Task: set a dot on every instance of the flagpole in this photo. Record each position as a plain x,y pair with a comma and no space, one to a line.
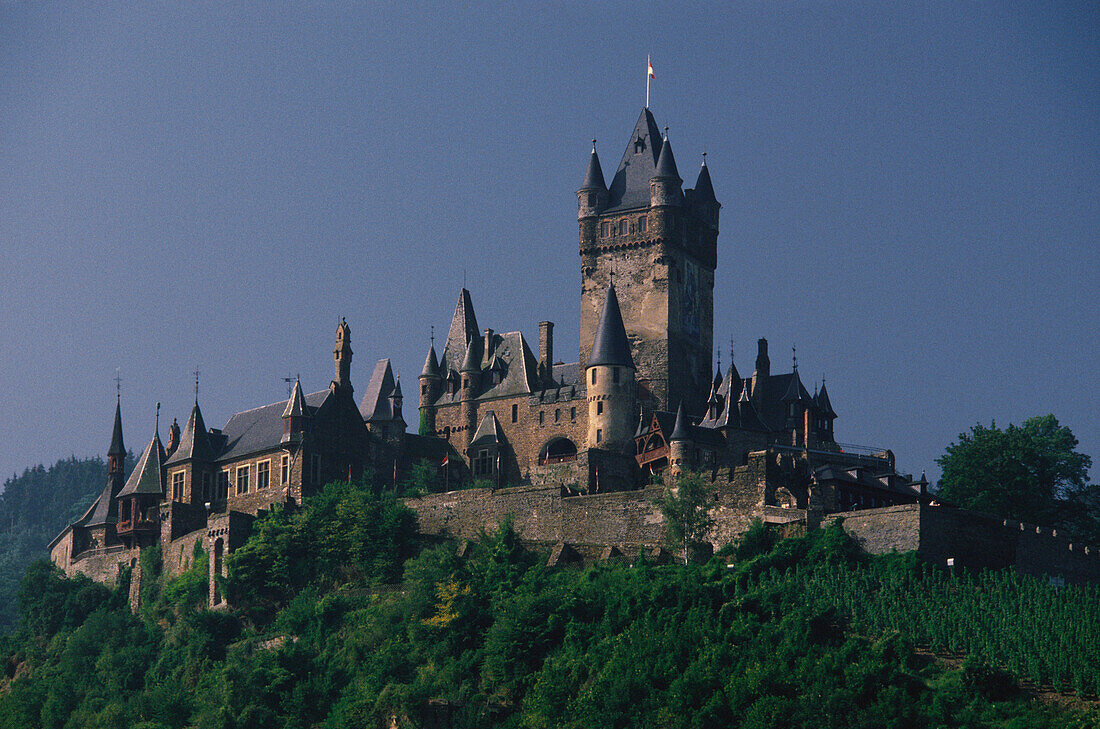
648,64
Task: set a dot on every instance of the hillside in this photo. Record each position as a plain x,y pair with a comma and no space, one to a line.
34,507
347,618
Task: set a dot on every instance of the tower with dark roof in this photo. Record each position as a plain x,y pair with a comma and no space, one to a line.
661,241
431,386
341,355
611,382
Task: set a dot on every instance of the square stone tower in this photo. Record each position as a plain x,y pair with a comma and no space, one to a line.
659,244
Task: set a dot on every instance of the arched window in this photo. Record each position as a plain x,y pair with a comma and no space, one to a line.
558,450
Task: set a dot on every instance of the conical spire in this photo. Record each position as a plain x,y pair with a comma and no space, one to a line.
795,391
704,189
472,361
431,364
296,403
463,330
593,176
610,346
118,448
396,394
666,163
823,403
195,441
630,186
146,477
680,430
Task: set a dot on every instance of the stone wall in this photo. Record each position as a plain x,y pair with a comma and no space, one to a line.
102,565
178,555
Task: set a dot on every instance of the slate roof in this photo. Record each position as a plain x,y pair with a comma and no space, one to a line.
704,188
463,330
376,404
795,391
431,364
630,186
566,374
892,482
680,430
118,448
195,440
666,163
104,510
610,345
593,176
296,404
823,403
147,476
261,429
488,432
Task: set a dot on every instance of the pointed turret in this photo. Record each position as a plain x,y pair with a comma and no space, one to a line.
431,364
630,186
680,431
593,176
396,399
472,361
610,346
666,163
194,443
463,330
664,186
704,188
823,403
147,477
116,454
795,391
296,403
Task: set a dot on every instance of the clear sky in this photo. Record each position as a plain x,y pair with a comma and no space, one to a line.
910,191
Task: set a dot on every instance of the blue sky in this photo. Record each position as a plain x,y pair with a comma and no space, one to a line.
911,196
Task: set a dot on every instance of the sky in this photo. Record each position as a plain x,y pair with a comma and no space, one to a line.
910,195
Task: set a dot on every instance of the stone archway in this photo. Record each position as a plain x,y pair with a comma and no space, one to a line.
557,450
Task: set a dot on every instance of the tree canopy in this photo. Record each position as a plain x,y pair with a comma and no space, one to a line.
1030,472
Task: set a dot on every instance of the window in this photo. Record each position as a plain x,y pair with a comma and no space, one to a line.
263,474
572,413
177,486
285,468
223,485
483,463
515,413
423,389
615,374
557,414
542,417
605,229
593,375
599,407
242,480
642,224
624,227
206,490
599,435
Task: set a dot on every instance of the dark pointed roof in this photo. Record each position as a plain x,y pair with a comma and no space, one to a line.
717,382
680,431
593,176
704,189
195,442
488,431
733,377
463,330
118,448
375,404
823,403
630,186
610,345
396,388
296,403
147,477
666,163
472,361
105,508
431,364
795,391
747,417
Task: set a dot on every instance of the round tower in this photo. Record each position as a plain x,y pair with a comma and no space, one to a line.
592,196
665,185
609,378
679,445
470,382
431,384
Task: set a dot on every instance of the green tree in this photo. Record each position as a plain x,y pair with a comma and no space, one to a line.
1032,472
686,508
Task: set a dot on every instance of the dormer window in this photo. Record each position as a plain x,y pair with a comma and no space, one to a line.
639,145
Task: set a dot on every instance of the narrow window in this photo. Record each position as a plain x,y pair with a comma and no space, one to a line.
624,227
263,474
177,486
206,495
557,415
423,389
223,485
605,229
572,413
515,413
642,224
542,417
593,376
242,480
615,374
599,407
285,469
599,435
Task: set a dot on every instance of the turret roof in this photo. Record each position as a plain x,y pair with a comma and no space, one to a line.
431,364
823,403
194,442
296,403
118,448
795,391
666,163
680,430
147,477
472,361
610,346
376,404
593,176
704,188
488,431
463,330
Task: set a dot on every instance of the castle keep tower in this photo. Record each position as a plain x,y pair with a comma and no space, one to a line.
661,241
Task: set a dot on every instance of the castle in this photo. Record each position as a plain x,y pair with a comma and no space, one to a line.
569,451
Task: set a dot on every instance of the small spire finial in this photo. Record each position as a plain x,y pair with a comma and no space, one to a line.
432,335
118,386
196,374
666,132
794,356
464,277
704,158
158,418
731,349
593,145
719,361
289,380
612,274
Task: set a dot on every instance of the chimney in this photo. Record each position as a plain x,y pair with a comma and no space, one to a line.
488,344
763,365
546,348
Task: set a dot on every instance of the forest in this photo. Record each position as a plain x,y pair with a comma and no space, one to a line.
345,617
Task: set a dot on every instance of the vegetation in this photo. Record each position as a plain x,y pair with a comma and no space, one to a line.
34,508
345,620
1030,472
686,507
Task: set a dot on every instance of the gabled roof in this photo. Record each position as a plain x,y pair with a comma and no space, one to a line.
296,403
463,330
431,364
610,345
515,362
376,404
147,477
261,429
593,176
195,442
488,431
630,186
118,448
